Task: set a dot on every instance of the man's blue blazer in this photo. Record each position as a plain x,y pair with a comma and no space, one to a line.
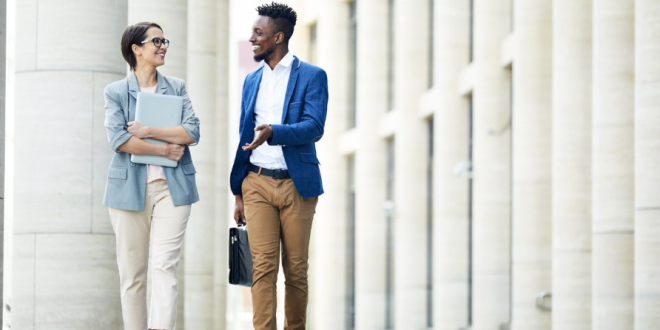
303,118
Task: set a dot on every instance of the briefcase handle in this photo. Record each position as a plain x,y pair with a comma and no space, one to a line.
241,223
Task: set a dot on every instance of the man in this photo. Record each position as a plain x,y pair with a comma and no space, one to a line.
275,177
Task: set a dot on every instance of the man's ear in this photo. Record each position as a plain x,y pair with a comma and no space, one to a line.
279,37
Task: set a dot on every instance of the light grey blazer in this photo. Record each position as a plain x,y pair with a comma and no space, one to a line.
127,181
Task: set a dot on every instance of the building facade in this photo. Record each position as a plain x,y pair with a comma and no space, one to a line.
488,164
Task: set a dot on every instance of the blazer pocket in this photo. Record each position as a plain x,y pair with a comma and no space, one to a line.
309,158
188,168
118,173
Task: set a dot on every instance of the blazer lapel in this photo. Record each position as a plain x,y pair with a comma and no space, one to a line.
162,86
291,86
133,87
254,91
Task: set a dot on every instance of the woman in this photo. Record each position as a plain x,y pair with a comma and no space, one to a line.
147,201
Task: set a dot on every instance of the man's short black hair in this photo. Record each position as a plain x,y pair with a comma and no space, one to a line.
282,16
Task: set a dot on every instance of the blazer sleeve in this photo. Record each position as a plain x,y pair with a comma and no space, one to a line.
115,122
189,122
315,109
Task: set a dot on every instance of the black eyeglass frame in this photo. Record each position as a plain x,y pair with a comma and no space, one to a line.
158,42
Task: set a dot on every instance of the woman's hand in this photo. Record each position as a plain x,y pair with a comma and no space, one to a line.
138,130
173,151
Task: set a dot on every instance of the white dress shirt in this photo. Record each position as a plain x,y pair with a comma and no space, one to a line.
268,110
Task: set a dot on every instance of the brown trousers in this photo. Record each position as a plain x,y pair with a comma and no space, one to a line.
276,212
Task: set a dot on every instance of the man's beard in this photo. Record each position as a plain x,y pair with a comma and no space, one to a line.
264,55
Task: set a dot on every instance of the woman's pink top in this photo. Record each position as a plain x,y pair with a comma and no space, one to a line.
154,172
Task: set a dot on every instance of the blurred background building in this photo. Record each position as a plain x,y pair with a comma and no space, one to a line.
488,164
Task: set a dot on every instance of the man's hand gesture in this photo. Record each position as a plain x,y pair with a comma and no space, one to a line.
265,132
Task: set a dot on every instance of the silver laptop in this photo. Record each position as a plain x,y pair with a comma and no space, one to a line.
157,110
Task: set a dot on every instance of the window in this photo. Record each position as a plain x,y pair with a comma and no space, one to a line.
352,60
389,239
429,231
312,44
470,215
511,93
350,258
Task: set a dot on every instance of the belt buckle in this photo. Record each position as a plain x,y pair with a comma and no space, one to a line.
277,174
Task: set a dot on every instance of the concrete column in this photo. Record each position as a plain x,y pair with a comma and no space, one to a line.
613,164
571,165
491,167
222,149
65,272
410,164
200,234
370,165
491,134
3,74
450,197
531,142
330,223
647,162
172,16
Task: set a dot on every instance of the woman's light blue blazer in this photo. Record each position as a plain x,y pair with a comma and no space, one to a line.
127,181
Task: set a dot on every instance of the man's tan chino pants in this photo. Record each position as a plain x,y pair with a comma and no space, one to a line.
276,212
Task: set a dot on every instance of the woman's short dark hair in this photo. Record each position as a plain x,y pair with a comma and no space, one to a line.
134,35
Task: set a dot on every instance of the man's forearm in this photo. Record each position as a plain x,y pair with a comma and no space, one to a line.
304,132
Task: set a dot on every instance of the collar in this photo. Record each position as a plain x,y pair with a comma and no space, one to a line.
285,61
133,85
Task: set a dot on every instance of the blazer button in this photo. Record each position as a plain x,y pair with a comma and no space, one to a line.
133,164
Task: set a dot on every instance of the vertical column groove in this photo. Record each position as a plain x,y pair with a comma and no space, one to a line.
532,170
613,165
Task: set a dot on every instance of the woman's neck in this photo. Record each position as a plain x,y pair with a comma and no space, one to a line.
146,76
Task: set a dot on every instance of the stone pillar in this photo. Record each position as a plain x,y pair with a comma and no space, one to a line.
491,138
531,143
370,165
222,150
451,133
613,164
330,225
172,16
571,165
410,164
65,271
647,162
3,74
200,235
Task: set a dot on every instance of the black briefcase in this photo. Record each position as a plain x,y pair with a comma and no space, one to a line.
240,258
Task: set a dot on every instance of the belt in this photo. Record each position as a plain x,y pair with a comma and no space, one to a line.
275,174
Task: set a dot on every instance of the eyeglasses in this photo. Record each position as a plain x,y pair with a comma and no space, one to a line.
158,42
